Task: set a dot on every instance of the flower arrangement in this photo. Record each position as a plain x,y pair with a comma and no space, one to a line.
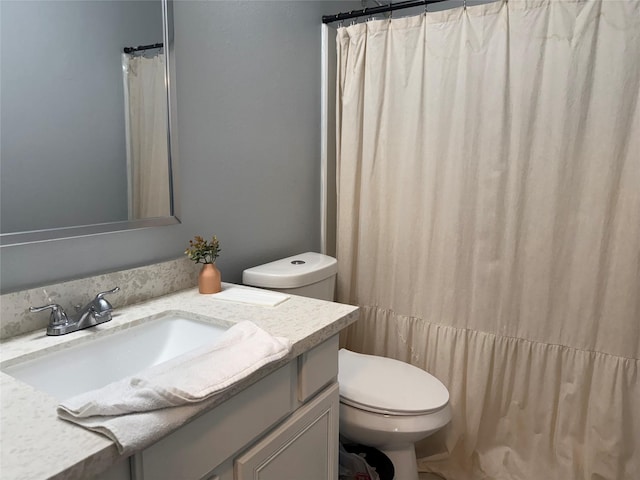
202,251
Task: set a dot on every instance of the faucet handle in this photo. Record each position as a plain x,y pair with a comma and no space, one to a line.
102,294
57,317
101,305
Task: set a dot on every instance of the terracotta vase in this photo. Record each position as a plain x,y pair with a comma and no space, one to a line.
209,279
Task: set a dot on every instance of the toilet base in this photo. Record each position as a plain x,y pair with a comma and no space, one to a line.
404,461
395,436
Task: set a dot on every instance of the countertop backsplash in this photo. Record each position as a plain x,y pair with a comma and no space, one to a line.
136,285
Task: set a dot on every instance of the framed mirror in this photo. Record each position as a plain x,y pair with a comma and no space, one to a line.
87,115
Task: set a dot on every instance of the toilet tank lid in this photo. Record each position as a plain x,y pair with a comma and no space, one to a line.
389,385
292,272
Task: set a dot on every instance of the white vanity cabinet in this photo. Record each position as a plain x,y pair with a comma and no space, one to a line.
283,427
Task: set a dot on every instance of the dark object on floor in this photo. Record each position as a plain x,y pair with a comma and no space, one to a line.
375,458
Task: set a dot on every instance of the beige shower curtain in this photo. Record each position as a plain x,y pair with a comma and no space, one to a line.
489,226
147,144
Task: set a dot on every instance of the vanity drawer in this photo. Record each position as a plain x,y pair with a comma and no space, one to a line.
194,450
317,368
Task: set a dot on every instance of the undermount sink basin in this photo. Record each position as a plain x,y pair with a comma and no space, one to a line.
96,363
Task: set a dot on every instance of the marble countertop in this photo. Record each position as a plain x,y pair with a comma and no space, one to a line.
35,444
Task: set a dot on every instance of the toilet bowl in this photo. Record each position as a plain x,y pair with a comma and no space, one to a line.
390,405
384,403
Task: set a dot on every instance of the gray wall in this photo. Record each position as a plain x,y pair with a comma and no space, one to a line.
248,92
63,137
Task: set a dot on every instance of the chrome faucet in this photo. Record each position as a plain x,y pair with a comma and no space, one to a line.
95,312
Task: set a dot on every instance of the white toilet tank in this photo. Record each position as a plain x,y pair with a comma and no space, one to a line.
308,274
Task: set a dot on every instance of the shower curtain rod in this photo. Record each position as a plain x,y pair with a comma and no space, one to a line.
142,47
375,10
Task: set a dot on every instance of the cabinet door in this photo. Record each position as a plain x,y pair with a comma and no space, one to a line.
304,447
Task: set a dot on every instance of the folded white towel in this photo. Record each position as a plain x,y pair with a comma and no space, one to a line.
253,296
138,410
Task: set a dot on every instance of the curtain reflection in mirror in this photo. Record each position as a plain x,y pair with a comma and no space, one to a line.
146,134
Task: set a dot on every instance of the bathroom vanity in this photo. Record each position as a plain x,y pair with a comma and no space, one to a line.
279,423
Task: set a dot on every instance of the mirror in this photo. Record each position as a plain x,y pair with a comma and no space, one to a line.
86,128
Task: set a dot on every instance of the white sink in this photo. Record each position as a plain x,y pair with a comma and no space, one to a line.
96,363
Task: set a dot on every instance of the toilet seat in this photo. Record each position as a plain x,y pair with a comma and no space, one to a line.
387,411
387,386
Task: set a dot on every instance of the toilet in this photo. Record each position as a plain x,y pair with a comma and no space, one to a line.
384,403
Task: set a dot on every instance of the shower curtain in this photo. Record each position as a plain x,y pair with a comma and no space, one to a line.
147,145
489,227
